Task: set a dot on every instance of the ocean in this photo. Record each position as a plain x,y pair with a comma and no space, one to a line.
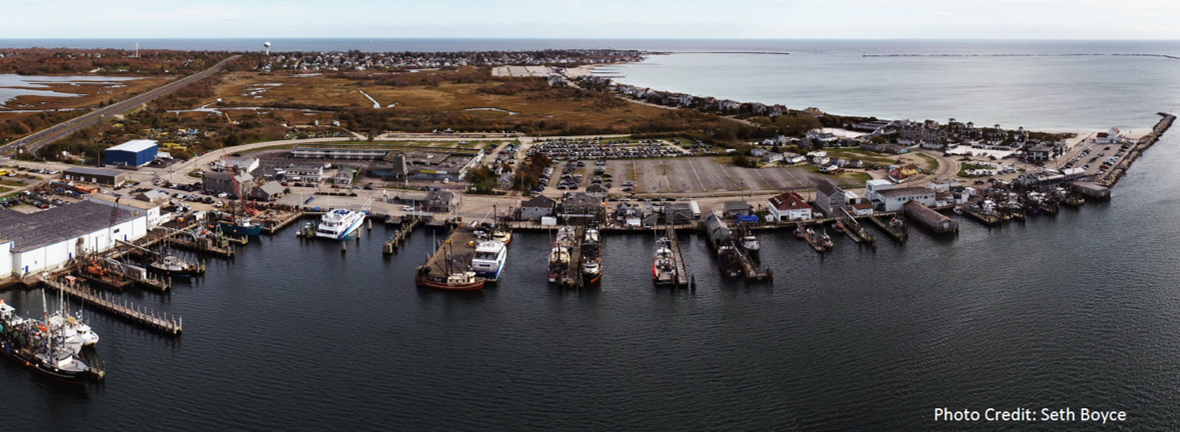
1079,310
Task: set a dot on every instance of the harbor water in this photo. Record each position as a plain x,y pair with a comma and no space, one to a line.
1077,310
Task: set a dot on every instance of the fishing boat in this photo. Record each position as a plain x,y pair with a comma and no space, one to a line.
825,240
489,259
591,267
41,348
838,227
97,273
455,281
339,223
559,264
240,226
731,260
663,264
174,267
751,244
799,232
502,235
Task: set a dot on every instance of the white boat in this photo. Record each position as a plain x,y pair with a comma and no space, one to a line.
559,264
339,223
489,259
751,244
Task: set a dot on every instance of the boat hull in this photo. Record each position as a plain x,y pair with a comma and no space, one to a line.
37,365
491,276
427,283
238,230
345,233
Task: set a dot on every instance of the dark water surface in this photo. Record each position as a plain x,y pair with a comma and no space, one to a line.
1077,310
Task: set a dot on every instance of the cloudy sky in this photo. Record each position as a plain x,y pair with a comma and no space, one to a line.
823,19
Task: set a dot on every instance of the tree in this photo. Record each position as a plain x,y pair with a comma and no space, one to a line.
796,125
878,139
232,140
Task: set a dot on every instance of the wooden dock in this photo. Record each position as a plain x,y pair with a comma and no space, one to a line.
140,315
811,238
989,219
681,278
898,234
400,236
461,243
282,223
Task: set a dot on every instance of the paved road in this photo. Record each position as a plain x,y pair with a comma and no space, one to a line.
35,141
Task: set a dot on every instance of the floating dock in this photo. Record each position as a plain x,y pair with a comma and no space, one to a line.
128,311
936,221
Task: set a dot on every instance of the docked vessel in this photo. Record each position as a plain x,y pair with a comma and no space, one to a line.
825,240
454,281
339,223
591,266
449,279
502,235
41,348
663,264
489,259
239,226
174,267
559,264
731,261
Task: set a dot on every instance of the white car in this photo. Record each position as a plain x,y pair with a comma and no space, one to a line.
222,195
408,208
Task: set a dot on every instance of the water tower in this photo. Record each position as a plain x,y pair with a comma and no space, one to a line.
267,46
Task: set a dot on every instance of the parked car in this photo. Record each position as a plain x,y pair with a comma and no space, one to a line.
408,208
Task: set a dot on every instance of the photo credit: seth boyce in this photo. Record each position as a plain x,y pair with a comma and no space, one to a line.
1027,415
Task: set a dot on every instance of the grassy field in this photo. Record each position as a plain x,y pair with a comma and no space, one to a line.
251,89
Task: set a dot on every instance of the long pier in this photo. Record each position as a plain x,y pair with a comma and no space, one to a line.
282,223
681,278
128,311
1136,150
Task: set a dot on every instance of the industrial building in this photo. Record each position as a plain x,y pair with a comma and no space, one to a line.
95,175
135,153
48,239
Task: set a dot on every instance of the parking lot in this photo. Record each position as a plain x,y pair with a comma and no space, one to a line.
692,175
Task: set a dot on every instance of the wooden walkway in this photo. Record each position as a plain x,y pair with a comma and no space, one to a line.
108,303
900,235
271,229
682,276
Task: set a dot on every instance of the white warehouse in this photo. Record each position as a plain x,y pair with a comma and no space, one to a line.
47,240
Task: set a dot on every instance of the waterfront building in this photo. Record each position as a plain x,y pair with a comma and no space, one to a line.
788,207
892,199
537,207
308,173
48,239
829,197
441,201
222,182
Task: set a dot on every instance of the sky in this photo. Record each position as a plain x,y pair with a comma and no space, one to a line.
664,19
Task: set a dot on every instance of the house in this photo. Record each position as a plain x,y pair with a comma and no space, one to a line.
223,182
792,158
1045,151
772,157
579,206
506,180
757,152
244,163
855,163
736,208
787,207
440,201
307,173
677,213
537,207
153,196
840,162
344,176
821,160
268,191
1114,135
829,197
861,208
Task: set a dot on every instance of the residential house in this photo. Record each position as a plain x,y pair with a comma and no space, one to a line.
440,201
344,176
736,208
772,157
537,207
829,197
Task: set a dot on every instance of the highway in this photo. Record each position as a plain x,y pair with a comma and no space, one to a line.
35,141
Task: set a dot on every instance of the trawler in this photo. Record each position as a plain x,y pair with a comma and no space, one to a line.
591,256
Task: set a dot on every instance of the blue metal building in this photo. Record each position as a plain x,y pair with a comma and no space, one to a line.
132,153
